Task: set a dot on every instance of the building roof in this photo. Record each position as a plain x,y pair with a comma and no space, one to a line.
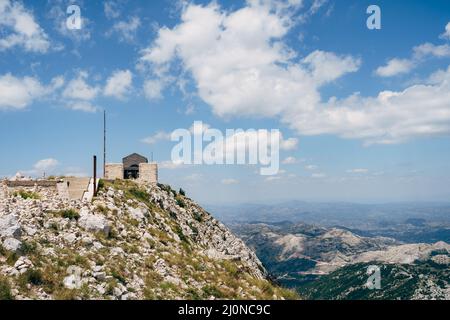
133,159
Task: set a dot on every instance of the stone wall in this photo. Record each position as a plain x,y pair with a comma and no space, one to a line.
32,183
148,172
113,171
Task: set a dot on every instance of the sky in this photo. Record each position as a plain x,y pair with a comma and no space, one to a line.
364,114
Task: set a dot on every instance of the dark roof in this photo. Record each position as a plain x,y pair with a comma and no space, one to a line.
133,159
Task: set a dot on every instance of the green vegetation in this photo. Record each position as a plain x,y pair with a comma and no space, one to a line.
397,282
180,202
69,214
26,194
5,289
182,192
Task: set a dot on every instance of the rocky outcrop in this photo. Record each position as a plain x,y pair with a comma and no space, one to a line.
131,242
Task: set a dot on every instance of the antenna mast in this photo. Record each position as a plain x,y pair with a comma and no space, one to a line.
104,143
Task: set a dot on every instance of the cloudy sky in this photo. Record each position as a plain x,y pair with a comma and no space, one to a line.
364,114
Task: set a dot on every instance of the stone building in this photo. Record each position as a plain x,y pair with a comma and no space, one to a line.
134,167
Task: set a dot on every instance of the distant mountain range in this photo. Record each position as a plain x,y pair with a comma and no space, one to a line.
406,222
331,263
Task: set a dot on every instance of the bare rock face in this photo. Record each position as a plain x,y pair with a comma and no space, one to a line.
11,244
133,241
9,226
94,223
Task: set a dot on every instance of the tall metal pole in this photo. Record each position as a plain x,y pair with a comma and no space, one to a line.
95,176
104,143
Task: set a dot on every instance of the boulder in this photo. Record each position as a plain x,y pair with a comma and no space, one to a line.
94,223
11,244
9,226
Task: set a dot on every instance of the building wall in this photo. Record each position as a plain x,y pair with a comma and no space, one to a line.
148,172
113,171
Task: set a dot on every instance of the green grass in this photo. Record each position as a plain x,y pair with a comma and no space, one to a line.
27,194
69,214
5,289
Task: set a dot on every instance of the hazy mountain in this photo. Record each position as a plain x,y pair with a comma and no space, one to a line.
328,263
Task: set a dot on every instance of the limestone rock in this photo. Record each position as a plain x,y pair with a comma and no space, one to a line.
9,226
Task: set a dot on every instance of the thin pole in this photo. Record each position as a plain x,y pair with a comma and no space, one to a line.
95,176
104,143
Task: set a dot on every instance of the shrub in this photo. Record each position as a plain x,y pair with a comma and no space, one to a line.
26,194
32,276
139,194
198,217
5,289
101,184
180,234
28,248
69,214
181,203
182,192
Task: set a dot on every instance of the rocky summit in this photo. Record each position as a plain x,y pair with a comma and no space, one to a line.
132,241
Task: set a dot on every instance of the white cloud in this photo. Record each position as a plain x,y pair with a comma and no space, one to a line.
111,9
230,181
311,167
46,165
57,12
358,171
171,165
290,160
327,66
79,89
391,117
125,30
153,89
288,144
395,67
239,63
446,34
429,49
159,136
19,28
18,93
242,67
84,106
119,84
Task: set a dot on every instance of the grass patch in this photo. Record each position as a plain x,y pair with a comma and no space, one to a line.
70,214
26,194
5,289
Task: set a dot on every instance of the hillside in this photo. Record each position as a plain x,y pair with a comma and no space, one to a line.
131,242
322,263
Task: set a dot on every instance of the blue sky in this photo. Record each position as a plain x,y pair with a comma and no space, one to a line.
368,110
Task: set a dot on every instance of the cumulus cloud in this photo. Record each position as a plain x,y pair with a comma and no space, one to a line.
79,89
78,95
18,93
153,89
119,84
419,53
394,67
242,67
125,30
19,29
446,34
239,63
46,164
57,12
157,137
